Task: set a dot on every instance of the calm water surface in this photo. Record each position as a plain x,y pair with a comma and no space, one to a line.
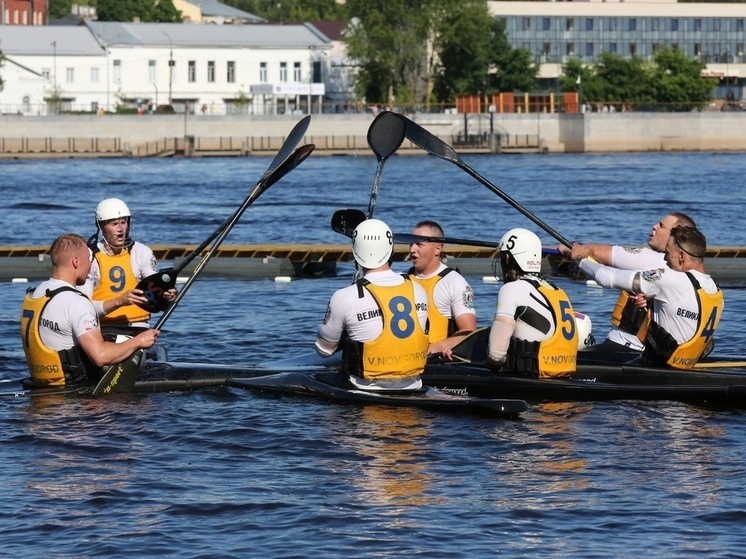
227,473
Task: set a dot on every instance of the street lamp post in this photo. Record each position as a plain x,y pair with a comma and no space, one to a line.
170,67
54,58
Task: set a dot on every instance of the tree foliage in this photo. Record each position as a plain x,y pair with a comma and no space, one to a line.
671,81
161,11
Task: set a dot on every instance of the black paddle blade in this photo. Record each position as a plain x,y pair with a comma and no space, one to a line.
386,134
346,221
154,286
120,377
429,142
290,163
293,139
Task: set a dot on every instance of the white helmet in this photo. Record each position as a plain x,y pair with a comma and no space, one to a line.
372,243
525,248
585,330
111,208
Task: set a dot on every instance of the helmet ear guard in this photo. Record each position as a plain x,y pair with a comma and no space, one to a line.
372,243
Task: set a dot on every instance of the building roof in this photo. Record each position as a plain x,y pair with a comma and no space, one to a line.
212,8
332,29
48,40
183,35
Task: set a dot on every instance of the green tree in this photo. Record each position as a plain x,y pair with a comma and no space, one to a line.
388,39
147,10
462,66
511,69
677,83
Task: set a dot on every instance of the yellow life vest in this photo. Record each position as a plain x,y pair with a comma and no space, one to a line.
46,366
661,347
116,277
401,349
441,326
556,356
630,318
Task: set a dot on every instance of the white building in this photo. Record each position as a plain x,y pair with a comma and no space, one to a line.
215,69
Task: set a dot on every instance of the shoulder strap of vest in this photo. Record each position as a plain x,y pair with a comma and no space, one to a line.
445,272
694,281
532,281
361,283
52,292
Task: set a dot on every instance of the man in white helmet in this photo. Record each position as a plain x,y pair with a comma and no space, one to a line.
534,331
450,297
629,317
380,320
119,264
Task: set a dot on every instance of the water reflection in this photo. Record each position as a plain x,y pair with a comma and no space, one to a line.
392,444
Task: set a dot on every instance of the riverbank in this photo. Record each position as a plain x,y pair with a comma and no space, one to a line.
169,135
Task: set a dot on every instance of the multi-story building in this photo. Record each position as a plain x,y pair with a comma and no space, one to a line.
23,12
557,31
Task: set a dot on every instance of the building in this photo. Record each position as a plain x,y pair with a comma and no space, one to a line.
23,12
211,11
557,31
212,69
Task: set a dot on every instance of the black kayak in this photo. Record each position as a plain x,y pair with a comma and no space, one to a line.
333,386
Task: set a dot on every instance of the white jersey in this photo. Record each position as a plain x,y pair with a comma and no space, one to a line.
359,316
66,317
522,302
633,258
452,295
673,294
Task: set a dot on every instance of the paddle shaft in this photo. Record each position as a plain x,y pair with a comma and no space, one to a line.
268,180
434,145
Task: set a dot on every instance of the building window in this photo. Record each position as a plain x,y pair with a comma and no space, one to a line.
569,24
697,49
655,48
192,71
698,24
716,24
612,24
739,25
70,75
570,49
283,71
654,24
151,71
632,49
297,78
526,23
117,71
262,72
632,24
46,73
316,71
589,49
739,49
674,24
612,48
675,47
546,24
231,72
589,24
211,71
546,49
94,75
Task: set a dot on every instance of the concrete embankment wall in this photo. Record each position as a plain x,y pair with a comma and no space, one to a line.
592,132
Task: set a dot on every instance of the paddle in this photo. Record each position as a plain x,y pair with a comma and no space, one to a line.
385,135
346,221
122,377
434,145
155,285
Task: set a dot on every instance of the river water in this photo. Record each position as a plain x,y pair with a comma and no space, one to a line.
227,473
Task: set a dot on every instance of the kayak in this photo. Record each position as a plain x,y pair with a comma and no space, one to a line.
333,386
599,377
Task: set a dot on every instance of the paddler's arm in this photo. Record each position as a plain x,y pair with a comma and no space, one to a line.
325,348
599,252
500,335
606,276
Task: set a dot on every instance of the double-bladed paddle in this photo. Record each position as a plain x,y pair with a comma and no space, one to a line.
122,376
385,135
155,285
435,146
